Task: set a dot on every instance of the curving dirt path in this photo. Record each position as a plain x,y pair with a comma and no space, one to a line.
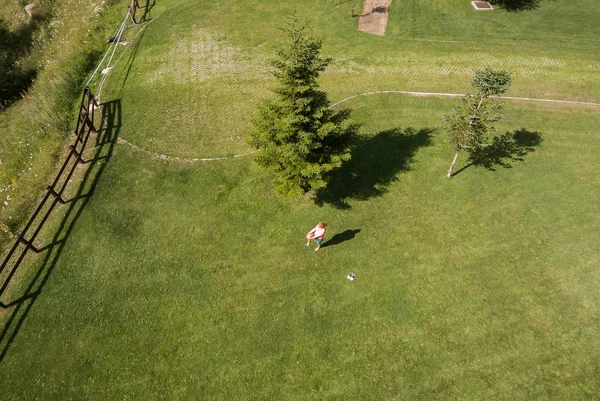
180,159
440,94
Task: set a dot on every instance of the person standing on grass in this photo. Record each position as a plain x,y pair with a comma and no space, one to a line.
317,233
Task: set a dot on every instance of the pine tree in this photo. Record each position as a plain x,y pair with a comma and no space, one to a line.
299,137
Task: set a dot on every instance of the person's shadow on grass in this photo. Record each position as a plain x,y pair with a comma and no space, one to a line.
375,164
341,237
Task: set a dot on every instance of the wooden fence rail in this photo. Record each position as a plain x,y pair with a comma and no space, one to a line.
54,193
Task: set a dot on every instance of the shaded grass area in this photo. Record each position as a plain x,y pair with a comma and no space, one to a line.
15,75
184,281
376,162
505,149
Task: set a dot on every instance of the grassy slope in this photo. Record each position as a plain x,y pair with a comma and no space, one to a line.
35,129
191,281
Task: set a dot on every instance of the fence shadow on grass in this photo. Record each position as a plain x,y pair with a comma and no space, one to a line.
375,164
505,149
18,309
145,17
129,63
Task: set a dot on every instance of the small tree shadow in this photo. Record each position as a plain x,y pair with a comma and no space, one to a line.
375,164
517,5
341,237
505,149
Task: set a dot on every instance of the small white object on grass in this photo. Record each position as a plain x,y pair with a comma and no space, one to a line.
351,276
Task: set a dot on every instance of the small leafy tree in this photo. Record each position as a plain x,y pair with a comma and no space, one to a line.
299,137
469,123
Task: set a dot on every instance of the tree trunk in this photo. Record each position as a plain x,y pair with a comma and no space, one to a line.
480,103
452,165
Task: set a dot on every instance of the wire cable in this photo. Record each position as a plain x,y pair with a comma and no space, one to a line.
114,43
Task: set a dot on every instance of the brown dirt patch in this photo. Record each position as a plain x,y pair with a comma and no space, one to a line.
374,17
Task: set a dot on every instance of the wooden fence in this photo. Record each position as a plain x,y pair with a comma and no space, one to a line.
135,5
54,194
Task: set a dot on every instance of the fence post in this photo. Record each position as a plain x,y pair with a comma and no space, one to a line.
133,9
85,91
132,14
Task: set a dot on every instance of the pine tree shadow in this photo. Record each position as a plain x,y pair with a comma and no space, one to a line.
375,164
505,149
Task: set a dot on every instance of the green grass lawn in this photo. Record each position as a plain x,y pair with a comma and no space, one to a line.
192,281
192,88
